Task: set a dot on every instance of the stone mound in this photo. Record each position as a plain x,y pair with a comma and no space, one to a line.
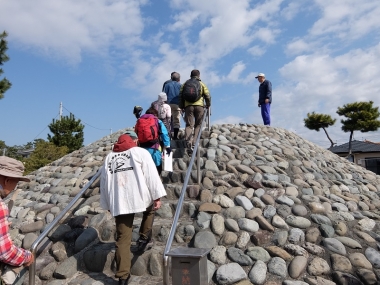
274,207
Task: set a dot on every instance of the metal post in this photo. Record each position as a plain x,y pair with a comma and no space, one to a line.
166,272
198,165
60,111
208,118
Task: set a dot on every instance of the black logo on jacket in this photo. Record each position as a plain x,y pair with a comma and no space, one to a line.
119,163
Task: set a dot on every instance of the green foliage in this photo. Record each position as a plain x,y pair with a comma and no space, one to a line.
16,150
2,146
10,151
4,83
315,121
361,116
43,154
67,132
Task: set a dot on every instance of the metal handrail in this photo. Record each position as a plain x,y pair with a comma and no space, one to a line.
182,197
33,248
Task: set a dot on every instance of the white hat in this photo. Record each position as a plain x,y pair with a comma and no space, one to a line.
162,97
260,75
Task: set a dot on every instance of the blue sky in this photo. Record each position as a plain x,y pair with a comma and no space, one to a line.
100,58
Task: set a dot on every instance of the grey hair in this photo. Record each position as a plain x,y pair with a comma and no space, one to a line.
176,76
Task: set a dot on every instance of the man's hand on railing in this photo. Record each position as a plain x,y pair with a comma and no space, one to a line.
156,204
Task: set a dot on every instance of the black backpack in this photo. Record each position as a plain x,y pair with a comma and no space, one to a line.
191,91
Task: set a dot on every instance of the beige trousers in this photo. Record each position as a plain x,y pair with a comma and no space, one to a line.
124,225
176,115
193,119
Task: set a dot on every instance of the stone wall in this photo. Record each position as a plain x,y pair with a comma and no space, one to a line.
274,208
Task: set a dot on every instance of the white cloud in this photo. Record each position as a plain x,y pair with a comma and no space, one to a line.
340,23
228,120
297,46
227,31
221,30
290,11
183,20
235,75
267,35
320,78
235,72
347,19
204,32
66,29
256,50
322,83
220,33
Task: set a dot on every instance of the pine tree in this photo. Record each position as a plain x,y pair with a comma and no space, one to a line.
4,83
361,116
43,154
3,147
67,132
315,121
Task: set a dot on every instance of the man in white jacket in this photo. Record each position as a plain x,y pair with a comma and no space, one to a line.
130,184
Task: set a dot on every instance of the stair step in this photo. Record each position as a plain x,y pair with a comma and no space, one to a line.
178,144
158,221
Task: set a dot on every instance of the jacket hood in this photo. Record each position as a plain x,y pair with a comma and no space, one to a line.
124,142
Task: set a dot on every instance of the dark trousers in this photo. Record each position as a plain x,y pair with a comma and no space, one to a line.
193,120
124,225
265,113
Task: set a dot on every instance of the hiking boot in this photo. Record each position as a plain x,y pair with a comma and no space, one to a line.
176,130
189,148
189,152
189,145
124,281
142,245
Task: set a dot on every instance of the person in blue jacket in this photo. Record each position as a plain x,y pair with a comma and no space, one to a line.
265,97
157,149
171,88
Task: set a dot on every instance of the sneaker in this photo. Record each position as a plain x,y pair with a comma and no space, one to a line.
142,245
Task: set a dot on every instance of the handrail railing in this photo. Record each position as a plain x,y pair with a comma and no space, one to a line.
33,248
49,227
182,197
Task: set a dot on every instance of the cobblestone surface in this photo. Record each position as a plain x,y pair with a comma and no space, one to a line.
101,278
262,188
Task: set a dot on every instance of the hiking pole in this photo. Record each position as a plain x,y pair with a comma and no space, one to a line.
208,118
